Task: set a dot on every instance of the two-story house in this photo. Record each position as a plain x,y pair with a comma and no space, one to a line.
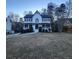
39,22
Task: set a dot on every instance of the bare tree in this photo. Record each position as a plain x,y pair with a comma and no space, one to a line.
69,8
11,15
44,11
51,10
25,12
30,12
16,18
60,13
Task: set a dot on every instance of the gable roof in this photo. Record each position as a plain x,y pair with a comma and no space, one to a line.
42,15
28,16
45,16
31,15
37,12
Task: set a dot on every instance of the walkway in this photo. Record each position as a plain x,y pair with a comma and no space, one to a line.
19,34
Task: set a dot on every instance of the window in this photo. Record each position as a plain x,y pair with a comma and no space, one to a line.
26,25
46,19
37,20
31,19
28,19
25,19
43,19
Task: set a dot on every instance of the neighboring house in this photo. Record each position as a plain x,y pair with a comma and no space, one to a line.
38,22
8,25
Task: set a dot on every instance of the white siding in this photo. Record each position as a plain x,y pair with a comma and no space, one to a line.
46,20
39,19
8,25
28,20
37,16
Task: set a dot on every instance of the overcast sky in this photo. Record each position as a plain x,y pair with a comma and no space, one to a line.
19,6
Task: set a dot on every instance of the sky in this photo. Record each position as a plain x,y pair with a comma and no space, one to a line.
19,6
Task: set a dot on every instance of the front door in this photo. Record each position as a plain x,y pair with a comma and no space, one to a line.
36,25
36,28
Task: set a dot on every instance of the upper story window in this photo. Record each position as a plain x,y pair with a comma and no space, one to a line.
25,19
37,20
31,19
46,19
28,19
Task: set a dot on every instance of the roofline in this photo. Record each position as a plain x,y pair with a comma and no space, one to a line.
35,13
